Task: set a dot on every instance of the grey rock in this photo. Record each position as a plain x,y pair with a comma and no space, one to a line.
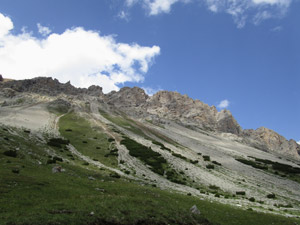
195,210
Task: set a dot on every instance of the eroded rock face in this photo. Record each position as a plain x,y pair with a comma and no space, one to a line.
271,140
49,86
127,97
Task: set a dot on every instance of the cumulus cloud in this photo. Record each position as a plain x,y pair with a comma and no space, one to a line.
223,104
43,30
82,56
298,142
241,10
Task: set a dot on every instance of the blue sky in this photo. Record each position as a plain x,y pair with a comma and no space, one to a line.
245,54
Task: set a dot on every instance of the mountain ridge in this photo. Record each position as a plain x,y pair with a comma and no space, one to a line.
161,107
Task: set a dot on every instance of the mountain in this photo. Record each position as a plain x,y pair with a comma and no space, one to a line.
98,156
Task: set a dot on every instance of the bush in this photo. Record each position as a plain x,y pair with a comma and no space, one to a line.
15,170
57,142
253,164
214,187
271,195
216,163
252,199
115,175
206,157
68,130
51,161
210,166
56,158
194,161
161,145
179,156
10,153
85,163
110,139
240,193
145,154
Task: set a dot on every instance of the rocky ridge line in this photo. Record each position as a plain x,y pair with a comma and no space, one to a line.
162,106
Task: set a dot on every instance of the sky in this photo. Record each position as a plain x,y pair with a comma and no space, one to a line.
242,55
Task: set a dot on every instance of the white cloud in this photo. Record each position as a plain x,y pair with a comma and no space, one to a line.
43,30
242,11
277,29
298,142
123,15
84,57
151,91
223,104
5,25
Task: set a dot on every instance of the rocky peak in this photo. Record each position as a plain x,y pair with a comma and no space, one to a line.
227,123
127,97
273,141
1,78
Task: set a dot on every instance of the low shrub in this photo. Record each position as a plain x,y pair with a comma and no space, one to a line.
214,187
240,193
110,139
179,156
15,170
216,163
210,166
272,195
252,199
194,161
56,158
57,142
115,175
206,157
145,154
10,153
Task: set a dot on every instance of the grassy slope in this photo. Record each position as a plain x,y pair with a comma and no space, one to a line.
82,132
37,196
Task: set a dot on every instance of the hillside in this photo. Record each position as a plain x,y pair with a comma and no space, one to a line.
78,156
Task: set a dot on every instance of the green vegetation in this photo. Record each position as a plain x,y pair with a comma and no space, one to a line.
216,163
82,137
206,157
179,156
210,166
156,162
162,146
253,164
32,194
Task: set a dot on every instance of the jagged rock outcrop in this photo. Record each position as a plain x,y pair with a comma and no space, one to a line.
49,86
271,140
173,106
127,98
1,78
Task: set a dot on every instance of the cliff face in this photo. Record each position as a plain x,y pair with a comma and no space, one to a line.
164,105
271,140
49,86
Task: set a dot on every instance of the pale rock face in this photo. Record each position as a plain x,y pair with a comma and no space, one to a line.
273,141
